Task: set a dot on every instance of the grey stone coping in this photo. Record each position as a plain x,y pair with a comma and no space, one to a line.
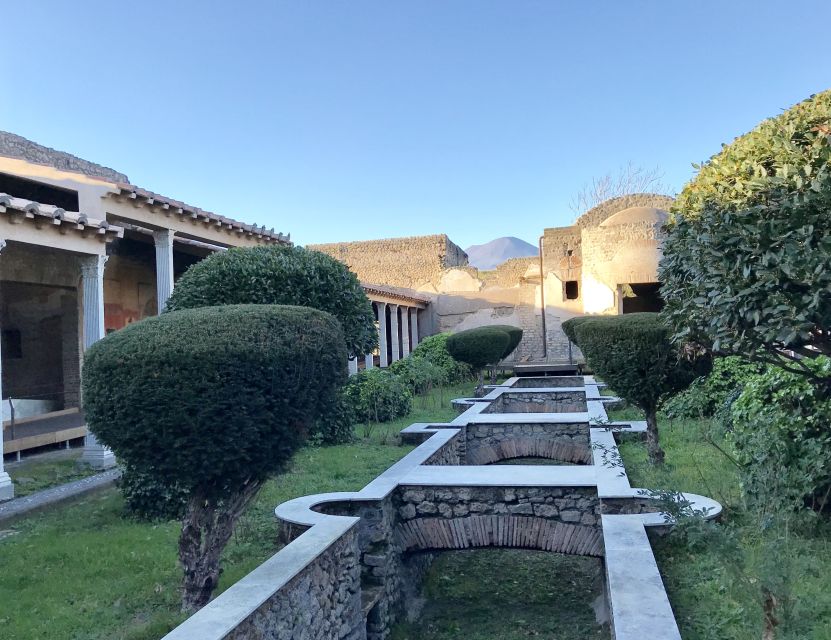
639,604
54,495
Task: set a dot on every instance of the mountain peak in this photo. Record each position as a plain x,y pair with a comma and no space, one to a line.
492,254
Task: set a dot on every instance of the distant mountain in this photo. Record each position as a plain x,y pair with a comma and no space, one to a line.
491,254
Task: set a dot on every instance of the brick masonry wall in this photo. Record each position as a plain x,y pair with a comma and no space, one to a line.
401,262
545,402
489,443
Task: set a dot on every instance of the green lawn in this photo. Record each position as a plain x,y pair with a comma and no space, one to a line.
715,596
47,470
83,571
508,594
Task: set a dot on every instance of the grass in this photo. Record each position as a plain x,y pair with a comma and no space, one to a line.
85,572
47,470
716,588
508,594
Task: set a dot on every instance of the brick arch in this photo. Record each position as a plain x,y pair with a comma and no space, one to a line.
500,530
529,447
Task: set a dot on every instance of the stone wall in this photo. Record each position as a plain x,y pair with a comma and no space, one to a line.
417,262
14,146
313,604
594,216
541,402
489,443
553,519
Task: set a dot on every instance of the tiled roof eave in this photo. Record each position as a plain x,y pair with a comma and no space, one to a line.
19,209
143,197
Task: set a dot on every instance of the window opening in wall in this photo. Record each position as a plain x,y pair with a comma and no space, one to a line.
572,290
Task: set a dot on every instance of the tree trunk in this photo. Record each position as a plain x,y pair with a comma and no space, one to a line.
771,621
206,528
479,392
653,446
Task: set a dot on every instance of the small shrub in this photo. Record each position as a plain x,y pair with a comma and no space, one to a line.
336,425
377,395
419,374
634,356
706,395
782,438
434,350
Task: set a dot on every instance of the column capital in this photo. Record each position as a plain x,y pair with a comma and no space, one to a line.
92,267
163,238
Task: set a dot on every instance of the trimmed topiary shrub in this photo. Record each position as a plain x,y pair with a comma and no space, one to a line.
745,264
377,395
212,401
570,326
478,348
147,498
781,437
281,275
514,337
434,350
635,357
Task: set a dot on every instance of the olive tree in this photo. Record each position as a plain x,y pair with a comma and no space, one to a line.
211,402
635,356
746,261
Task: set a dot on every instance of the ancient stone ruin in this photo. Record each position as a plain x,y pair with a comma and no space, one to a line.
357,559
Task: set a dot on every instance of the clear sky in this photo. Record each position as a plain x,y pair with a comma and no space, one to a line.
345,120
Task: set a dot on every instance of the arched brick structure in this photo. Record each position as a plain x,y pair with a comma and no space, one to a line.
500,530
530,447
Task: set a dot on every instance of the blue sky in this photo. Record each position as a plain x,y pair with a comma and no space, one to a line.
346,120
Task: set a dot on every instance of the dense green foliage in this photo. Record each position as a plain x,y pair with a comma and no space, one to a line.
434,350
284,276
480,346
215,397
781,436
377,395
633,354
418,374
514,337
570,326
708,394
148,497
745,266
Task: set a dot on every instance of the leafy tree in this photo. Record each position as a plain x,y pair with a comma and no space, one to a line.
212,402
634,355
281,275
745,266
434,350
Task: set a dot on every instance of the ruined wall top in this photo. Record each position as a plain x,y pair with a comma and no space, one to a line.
401,262
594,216
15,146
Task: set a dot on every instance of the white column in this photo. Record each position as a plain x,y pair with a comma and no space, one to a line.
382,333
405,331
369,361
396,347
6,486
353,366
92,281
164,266
414,325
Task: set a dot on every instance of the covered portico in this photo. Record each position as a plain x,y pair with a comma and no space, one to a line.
397,318
104,254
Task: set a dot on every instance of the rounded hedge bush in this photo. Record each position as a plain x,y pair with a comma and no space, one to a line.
208,399
479,347
419,374
514,337
745,263
284,276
